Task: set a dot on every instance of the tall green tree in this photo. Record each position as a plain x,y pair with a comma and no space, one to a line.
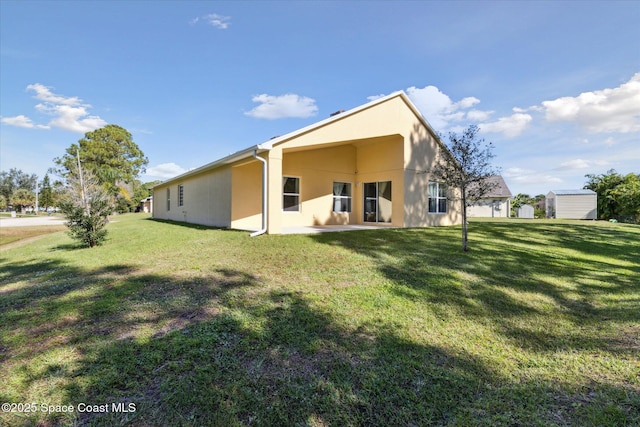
627,198
466,167
618,195
46,199
108,153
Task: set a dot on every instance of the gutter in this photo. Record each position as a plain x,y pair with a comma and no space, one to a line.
264,195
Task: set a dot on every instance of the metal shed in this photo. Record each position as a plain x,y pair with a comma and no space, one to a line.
572,204
525,211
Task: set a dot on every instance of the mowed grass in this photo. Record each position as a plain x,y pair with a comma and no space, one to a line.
539,324
13,234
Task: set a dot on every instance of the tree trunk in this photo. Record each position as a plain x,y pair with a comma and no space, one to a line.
465,245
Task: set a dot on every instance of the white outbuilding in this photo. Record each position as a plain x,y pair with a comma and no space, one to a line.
572,204
526,211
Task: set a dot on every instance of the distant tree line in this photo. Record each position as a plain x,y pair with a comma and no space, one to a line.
17,190
618,195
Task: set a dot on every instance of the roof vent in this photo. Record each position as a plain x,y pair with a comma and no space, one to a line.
336,113
274,137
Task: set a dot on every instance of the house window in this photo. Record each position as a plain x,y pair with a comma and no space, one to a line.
437,197
180,195
377,201
341,197
290,194
168,199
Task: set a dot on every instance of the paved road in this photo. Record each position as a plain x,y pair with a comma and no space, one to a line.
29,222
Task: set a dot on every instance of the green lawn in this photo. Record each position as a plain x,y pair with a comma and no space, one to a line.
539,324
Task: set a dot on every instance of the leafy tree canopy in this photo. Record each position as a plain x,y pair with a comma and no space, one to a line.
109,153
22,198
47,196
14,180
618,195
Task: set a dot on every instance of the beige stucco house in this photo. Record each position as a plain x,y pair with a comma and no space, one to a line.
369,165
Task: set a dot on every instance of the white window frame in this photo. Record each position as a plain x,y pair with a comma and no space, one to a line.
168,199
299,204
341,198
438,198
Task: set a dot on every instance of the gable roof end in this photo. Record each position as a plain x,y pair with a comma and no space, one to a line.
268,145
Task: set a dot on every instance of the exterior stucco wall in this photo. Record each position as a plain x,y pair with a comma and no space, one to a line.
490,208
246,196
388,118
421,150
207,199
318,169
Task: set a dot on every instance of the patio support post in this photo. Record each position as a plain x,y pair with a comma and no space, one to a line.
264,196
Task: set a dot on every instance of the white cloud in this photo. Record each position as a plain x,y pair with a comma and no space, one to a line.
283,106
600,111
510,126
219,21
434,105
479,115
165,170
574,164
374,97
581,164
44,93
446,115
22,121
467,102
529,176
72,118
69,113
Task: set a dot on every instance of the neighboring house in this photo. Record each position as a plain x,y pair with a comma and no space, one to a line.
572,204
146,205
526,211
368,165
496,203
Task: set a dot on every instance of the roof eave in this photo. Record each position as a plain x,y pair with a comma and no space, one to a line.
231,158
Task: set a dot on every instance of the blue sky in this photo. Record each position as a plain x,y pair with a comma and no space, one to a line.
554,85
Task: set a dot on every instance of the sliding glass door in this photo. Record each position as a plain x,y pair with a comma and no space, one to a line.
377,201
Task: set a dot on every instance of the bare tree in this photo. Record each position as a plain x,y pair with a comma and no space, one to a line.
466,167
86,205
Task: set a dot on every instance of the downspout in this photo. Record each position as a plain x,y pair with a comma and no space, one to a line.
264,196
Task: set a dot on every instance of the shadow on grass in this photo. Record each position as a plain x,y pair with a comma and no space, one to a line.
223,348
506,267
218,349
